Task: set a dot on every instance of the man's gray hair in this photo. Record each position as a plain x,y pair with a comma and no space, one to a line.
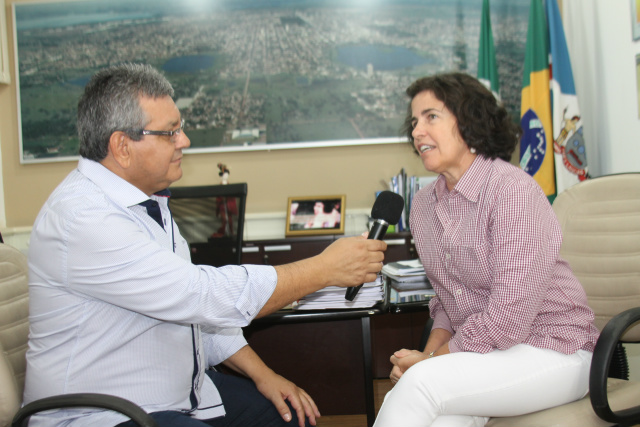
110,103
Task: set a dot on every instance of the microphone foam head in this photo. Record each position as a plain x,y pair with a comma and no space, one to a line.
388,207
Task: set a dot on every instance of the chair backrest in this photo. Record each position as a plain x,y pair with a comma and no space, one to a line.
600,221
211,219
14,329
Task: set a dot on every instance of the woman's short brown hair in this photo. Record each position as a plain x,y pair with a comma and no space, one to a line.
483,123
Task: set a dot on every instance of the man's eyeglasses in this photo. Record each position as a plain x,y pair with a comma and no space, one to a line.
169,133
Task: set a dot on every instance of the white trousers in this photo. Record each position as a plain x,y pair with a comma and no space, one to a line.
466,389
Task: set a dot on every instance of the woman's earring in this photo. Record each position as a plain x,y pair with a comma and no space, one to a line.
473,150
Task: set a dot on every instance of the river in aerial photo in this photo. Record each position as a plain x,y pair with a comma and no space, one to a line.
381,58
360,57
188,64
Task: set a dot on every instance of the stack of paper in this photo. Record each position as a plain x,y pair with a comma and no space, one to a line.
408,281
410,295
333,297
404,271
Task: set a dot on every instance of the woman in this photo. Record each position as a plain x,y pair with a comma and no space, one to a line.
512,330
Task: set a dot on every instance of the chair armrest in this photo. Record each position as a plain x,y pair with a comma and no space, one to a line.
602,355
89,400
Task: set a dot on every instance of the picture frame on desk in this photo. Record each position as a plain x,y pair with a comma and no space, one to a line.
315,215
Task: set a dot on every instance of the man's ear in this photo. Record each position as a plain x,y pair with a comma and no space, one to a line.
120,148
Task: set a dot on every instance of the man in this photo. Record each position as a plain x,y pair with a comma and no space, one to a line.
116,306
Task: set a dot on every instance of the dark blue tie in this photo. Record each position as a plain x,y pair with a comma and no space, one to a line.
153,208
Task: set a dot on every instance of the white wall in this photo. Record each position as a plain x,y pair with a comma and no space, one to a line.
603,54
3,217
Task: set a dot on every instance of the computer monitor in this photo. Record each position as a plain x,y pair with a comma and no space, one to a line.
211,219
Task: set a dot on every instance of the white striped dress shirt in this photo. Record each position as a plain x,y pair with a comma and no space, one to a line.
112,306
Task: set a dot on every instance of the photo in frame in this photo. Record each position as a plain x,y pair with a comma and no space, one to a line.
254,75
315,215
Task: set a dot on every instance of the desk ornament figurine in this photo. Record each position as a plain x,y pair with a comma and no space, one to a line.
226,207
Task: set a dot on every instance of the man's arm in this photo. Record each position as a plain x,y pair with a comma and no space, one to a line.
273,386
349,261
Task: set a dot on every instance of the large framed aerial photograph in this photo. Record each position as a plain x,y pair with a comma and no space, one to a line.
256,74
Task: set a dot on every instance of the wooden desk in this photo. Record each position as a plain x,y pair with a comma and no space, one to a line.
330,353
333,354
283,251
317,351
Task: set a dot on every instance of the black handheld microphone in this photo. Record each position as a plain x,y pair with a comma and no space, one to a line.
386,210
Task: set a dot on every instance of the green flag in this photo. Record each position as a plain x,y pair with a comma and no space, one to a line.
487,67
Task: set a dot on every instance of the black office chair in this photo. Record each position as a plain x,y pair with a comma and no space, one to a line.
14,331
211,219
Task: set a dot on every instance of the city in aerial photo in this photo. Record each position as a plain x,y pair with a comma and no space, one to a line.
257,74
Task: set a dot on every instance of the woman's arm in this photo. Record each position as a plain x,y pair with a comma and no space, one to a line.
437,345
438,342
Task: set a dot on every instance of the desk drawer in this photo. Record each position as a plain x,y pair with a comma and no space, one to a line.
323,358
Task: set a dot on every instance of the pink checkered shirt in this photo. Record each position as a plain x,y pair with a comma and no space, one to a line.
490,249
